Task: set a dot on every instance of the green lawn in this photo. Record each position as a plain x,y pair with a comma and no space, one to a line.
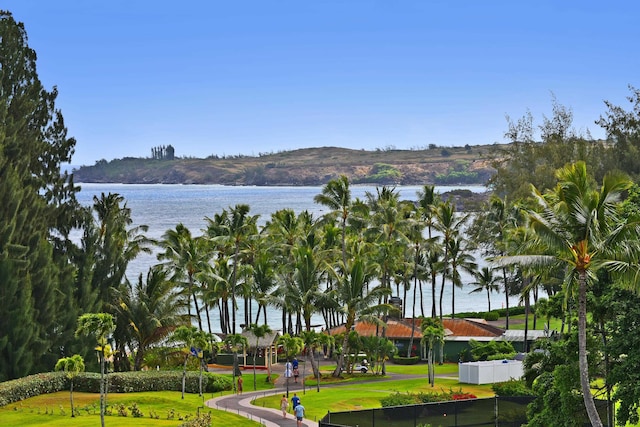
54,410
554,323
367,394
417,369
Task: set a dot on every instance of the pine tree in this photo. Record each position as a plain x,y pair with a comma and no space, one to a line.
37,211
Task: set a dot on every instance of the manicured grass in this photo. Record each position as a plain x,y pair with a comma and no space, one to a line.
392,368
54,410
365,395
554,323
421,369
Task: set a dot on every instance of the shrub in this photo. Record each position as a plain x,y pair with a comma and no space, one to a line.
32,385
119,382
430,397
201,420
502,356
492,350
463,396
398,360
491,316
126,382
399,399
511,388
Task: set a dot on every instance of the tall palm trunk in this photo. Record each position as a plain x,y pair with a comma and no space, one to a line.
433,294
506,293
102,388
589,403
345,345
195,301
413,315
316,373
184,374
73,413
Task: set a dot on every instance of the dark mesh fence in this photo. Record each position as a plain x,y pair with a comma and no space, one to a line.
490,412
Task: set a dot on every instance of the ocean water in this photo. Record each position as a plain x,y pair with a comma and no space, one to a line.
161,207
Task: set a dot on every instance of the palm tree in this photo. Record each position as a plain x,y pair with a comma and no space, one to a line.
185,256
235,343
433,265
449,226
263,273
192,342
306,290
233,229
432,332
99,326
486,281
492,232
580,226
150,310
336,195
116,245
387,231
312,341
284,231
260,331
72,366
291,346
217,290
428,200
355,297
460,259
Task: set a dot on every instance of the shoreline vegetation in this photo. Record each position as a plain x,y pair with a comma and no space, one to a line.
468,165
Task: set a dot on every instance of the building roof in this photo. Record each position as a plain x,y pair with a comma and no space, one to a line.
471,328
265,341
454,329
395,330
518,335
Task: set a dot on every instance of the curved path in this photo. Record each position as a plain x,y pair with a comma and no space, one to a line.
269,417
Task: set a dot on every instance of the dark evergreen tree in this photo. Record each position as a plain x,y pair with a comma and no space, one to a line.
36,214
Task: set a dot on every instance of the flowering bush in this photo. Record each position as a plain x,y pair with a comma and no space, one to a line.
399,399
463,396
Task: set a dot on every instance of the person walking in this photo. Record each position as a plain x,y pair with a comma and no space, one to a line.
240,382
288,370
299,414
295,401
284,405
296,372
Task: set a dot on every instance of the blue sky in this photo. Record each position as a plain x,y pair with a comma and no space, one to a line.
249,77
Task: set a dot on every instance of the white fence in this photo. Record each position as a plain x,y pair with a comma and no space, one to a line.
493,371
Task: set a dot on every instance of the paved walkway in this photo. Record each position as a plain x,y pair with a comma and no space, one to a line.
269,417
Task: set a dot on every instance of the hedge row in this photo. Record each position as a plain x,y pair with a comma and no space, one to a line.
119,382
398,360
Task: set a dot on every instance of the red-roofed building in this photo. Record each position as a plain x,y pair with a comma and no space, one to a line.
458,332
